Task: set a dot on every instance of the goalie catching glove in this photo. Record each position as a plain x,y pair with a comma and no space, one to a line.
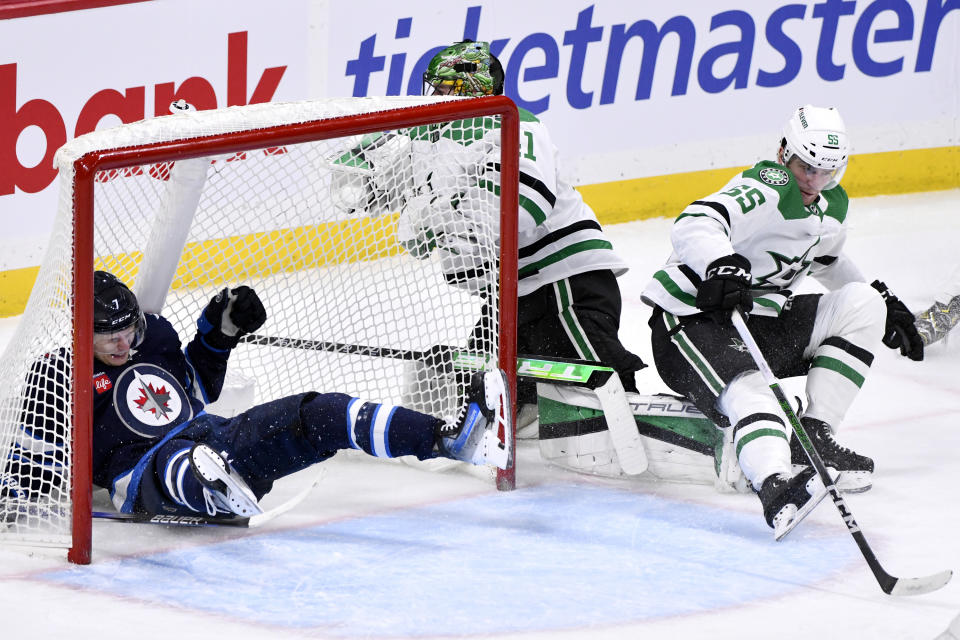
901,332
230,315
375,177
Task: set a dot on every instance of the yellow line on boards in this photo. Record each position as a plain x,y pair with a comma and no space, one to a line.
665,196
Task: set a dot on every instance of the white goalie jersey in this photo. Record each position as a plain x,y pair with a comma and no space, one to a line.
559,235
760,215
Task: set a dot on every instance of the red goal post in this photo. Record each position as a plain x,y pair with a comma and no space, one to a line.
147,146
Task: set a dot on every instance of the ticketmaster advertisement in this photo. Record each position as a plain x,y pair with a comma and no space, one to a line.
634,93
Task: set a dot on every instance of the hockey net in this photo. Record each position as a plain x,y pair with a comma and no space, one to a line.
328,209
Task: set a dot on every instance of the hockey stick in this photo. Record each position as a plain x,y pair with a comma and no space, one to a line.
206,521
355,349
890,584
606,384
603,380
179,521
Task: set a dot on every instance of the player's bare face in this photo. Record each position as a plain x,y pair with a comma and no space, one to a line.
113,349
811,180
444,89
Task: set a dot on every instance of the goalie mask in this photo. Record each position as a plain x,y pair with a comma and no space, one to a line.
116,312
818,137
464,69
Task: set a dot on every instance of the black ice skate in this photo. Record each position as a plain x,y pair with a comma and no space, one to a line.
474,436
788,500
224,491
856,471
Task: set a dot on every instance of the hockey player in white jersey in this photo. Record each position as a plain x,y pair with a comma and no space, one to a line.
750,245
569,301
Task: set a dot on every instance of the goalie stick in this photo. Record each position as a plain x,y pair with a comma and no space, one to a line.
207,521
441,352
603,380
606,384
888,583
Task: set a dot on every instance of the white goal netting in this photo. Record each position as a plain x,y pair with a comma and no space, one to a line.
376,252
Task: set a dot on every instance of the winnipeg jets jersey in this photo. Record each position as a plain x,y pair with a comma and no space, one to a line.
135,405
760,215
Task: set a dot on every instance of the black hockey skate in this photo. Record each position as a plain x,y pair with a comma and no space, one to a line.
474,436
856,471
787,500
224,491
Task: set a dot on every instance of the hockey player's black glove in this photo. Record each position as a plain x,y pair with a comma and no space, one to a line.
726,287
901,332
231,314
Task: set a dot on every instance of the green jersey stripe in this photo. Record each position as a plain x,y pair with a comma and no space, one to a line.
759,433
531,207
562,254
693,356
767,302
674,289
571,323
848,372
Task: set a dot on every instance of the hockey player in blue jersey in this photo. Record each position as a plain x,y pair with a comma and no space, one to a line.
750,245
158,451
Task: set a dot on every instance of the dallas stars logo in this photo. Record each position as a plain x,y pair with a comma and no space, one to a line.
785,270
774,176
152,400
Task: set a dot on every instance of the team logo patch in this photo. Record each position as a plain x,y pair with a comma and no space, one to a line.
149,400
774,176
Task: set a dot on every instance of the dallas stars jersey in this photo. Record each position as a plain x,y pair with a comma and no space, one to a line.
558,234
760,215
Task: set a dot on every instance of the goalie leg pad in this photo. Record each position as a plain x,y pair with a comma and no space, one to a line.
682,445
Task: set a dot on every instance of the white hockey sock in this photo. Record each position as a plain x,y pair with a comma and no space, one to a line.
760,436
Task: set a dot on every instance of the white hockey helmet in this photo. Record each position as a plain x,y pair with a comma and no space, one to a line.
817,136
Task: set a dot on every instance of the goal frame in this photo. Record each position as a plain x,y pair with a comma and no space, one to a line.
84,185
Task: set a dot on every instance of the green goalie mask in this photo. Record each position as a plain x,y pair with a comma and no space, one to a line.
464,69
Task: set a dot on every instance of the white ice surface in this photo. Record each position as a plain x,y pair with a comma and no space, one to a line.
384,550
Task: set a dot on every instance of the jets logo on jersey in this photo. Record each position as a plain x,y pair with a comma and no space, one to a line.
149,400
774,176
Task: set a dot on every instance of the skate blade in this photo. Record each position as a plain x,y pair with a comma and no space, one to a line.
854,481
784,525
241,500
846,481
490,450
